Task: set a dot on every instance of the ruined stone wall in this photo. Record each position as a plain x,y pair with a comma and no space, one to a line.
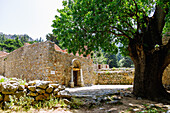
40,61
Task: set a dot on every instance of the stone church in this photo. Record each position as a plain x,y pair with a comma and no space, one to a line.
46,61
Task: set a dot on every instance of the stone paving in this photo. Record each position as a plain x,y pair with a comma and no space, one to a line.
97,90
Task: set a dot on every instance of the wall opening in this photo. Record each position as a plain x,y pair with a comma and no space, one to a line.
75,77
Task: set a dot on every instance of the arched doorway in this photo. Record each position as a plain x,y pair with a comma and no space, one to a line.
76,74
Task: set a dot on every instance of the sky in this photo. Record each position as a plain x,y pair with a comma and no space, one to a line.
31,17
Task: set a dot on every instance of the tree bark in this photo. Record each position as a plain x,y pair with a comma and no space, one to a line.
150,61
149,68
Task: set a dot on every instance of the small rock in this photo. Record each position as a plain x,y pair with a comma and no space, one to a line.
114,102
139,98
135,110
21,87
40,91
112,110
32,94
56,91
159,105
65,94
58,95
54,85
26,85
43,84
66,101
12,82
32,88
49,89
61,87
7,97
19,94
101,108
40,97
115,97
9,89
48,96
31,83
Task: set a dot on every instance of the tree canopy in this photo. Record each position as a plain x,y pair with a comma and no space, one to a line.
98,23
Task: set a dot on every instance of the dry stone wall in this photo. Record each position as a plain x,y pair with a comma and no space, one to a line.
36,90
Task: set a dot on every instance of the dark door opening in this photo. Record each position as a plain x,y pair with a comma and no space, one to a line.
75,77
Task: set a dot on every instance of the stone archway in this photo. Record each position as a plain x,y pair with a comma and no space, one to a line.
76,74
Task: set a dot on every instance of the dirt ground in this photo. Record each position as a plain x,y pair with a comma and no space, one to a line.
128,105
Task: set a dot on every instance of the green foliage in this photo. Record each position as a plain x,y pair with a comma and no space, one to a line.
76,103
52,38
26,103
99,57
103,24
2,80
10,44
112,60
125,62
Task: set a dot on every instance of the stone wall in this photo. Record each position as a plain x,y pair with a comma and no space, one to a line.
115,77
125,76
37,90
40,61
60,63
166,77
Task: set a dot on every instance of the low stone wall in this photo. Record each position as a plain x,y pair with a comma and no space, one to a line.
37,90
125,76
115,77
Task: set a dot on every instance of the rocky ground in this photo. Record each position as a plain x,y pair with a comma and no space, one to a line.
99,99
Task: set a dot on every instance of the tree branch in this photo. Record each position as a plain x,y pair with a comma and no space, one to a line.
122,33
137,16
159,16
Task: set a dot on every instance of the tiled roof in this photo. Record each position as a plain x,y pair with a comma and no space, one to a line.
57,48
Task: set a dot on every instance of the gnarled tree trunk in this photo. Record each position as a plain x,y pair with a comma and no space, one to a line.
150,57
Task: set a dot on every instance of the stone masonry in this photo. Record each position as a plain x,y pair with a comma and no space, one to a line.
41,61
